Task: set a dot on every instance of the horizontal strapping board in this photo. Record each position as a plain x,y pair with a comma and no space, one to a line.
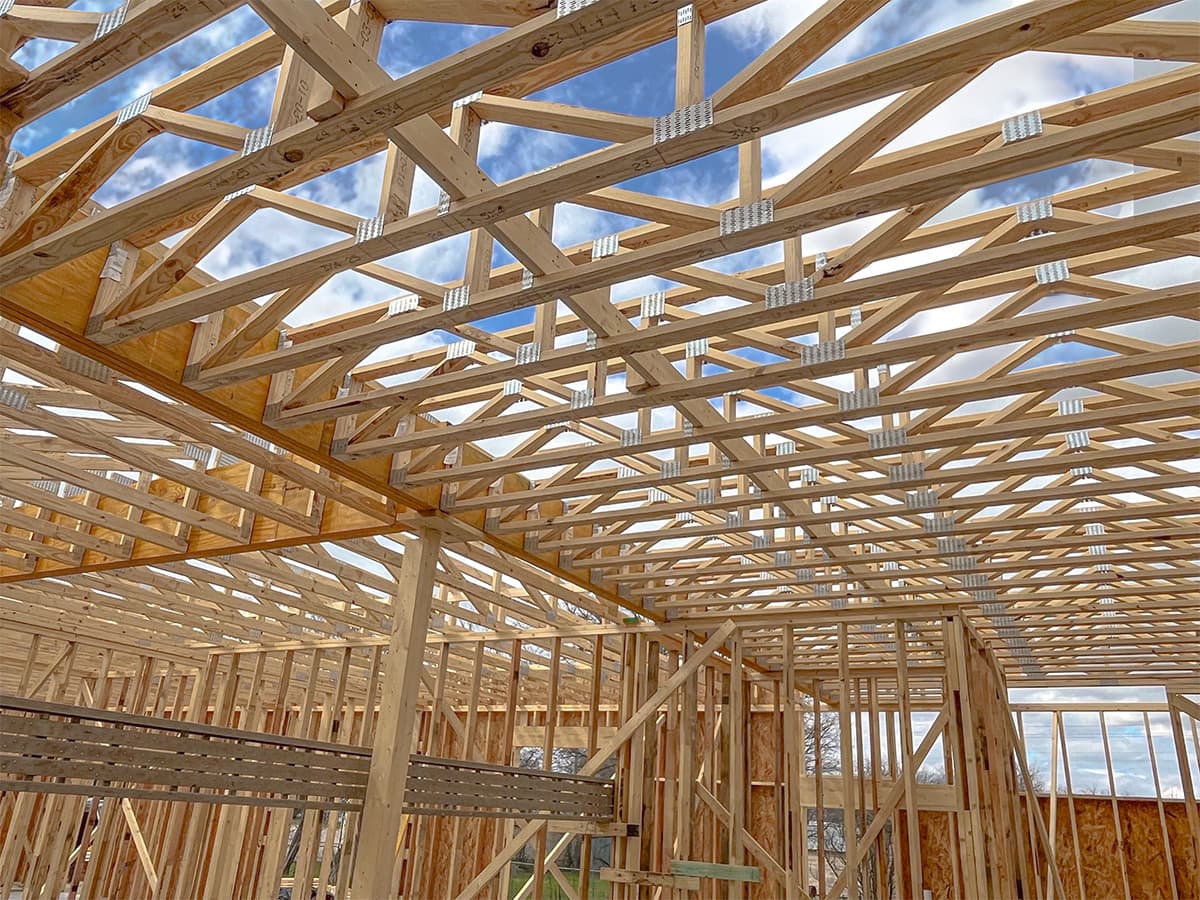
517,791
514,780
156,723
495,767
188,764
70,768
75,731
12,748
183,796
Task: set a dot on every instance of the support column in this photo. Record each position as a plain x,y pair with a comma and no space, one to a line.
382,812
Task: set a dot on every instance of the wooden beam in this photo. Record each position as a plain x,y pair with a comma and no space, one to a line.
380,824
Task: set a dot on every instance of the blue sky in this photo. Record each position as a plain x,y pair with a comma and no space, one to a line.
642,85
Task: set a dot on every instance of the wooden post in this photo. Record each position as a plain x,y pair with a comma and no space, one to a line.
912,816
793,755
585,854
1158,799
849,814
1112,793
1052,850
380,822
737,764
467,751
1175,712
1062,737
819,792
975,876
552,691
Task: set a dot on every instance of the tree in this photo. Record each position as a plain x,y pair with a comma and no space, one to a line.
1038,780
566,761
826,740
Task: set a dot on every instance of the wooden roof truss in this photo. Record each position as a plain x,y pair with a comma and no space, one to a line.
186,468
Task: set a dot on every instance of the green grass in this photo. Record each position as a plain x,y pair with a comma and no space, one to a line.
597,889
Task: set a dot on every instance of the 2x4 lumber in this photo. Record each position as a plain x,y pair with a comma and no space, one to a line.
11,73
1094,106
690,40
151,462
802,102
1110,660
147,28
898,533
792,53
559,117
1137,39
887,806
130,496
1072,243
381,818
780,339
26,520
191,423
959,392
493,61
425,143
921,561
197,128
468,750
265,50
1132,413
259,324
1178,707
650,879
420,142
34,20
548,744
597,760
908,771
363,22
351,507
1008,161
54,209
883,514
976,872
481,12
651,207
1171,450
88,632
188,90
165,273
717,871
845,157
737,756
850,820
593,738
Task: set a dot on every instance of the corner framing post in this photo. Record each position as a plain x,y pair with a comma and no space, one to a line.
379,826
966,763
1177,706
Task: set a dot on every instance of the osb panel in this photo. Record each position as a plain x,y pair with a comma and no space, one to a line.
937,846
1142,845
762,819
762,824
764,747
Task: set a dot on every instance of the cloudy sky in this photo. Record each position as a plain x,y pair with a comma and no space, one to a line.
1029,81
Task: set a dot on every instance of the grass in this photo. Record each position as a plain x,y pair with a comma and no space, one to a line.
597,889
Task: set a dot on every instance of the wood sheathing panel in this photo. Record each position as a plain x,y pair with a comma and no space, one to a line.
1144,853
